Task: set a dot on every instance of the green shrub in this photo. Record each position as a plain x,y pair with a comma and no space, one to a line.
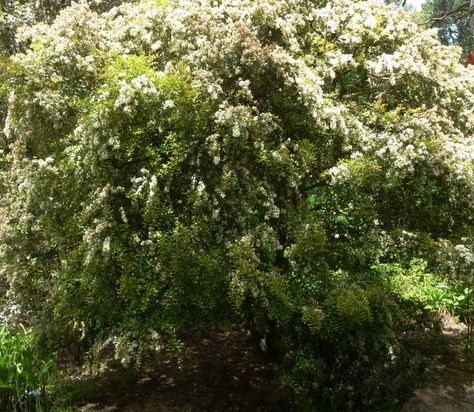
346,352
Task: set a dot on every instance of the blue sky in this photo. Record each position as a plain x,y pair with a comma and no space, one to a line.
416,3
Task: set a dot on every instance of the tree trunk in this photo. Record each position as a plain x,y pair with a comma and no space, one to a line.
471,17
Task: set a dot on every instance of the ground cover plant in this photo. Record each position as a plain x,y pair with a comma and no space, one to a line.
24,376
303,167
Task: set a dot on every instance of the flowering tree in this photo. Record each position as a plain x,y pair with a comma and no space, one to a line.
177,164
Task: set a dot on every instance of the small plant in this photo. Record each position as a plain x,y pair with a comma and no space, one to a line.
462,306
23,375
458,261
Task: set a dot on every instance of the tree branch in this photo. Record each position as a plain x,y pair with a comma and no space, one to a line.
462,8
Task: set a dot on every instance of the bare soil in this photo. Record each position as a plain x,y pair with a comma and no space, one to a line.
220,372
451,376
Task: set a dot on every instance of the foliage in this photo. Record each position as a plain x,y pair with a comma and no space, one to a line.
415,284
23,375
346,353
180,164
458,262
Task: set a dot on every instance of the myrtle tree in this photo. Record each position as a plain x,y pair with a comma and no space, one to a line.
187,164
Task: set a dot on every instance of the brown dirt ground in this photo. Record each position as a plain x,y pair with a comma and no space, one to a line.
451,376
221,372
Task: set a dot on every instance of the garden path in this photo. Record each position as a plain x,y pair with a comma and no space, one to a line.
450,385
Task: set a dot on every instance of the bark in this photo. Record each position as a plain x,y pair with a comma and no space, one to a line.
471,17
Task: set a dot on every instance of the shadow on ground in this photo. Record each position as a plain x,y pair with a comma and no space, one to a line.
221,372
451,376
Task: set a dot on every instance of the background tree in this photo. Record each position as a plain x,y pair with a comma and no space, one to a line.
454,20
